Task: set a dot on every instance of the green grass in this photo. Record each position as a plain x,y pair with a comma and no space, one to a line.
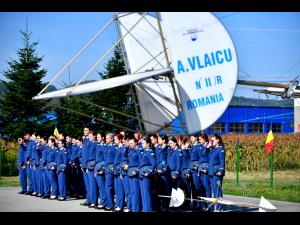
9,182
286,185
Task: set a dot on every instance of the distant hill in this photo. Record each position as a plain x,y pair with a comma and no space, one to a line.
261,102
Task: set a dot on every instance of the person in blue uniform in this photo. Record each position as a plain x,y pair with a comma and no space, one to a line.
162,174
216,166
69,144
61,163
90,166
84,159
38,167
51,168
146,171
119,190
203,169
28,143
78,166
194,166
109,156
43,163
175,162
134,153
99,170
22,166
75,170
185,172
33,162
124,173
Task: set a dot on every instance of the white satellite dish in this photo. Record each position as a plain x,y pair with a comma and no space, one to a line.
177,197
205,65
203,62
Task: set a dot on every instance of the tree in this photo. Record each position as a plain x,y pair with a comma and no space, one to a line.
18,112
114,98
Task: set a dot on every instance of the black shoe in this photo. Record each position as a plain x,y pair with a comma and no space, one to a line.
86,203
22,193
28,193
83,202
109,209
43,197
61,199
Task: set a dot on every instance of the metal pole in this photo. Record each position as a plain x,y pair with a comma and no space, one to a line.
127,70
237,162
271,168
105,54
0,159
170,77
75,57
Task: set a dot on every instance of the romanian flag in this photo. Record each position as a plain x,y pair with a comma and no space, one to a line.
56,132
269,141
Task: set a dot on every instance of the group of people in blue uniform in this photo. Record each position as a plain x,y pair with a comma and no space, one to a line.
118,172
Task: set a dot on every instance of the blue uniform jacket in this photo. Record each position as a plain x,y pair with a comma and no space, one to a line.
62,159
147,160
38,154
92,151
74,153
28,150
69,149
51,156
100,152
175,161
204,153
118,159
185,159
109,156
34,153
21,155
134,156
85,153
44,154
124,158
194,156
134,160
216,161
92,155
100,148
161,158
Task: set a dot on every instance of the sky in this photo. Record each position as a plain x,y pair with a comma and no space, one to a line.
267,44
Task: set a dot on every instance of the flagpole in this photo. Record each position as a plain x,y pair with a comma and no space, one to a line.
271,168
237,162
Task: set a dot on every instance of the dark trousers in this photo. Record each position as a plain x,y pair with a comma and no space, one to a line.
46,182
109,188
23,179
86,184
29,175
101,185
135,190
126,187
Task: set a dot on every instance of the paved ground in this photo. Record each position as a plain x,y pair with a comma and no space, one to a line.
11,201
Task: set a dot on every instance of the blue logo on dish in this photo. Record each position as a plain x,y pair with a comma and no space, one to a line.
192,33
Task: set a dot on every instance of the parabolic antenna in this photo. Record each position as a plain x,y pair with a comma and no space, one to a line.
205,65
